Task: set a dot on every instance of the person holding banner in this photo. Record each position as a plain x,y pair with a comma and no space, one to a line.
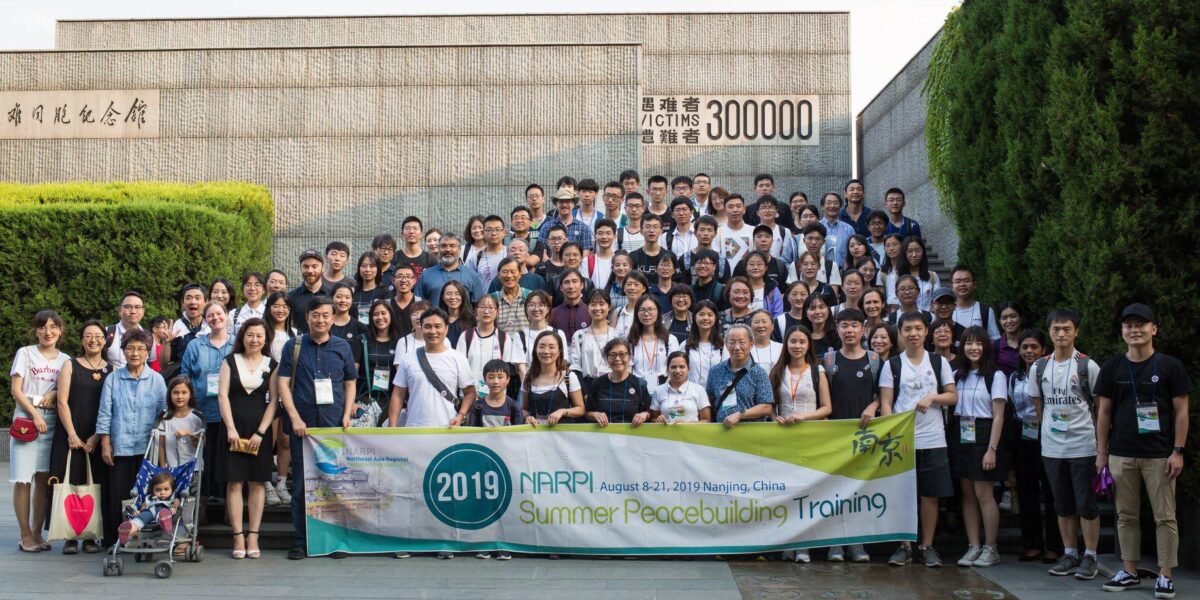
739,389
435,383
680,400
551,391
316,385
619,396
921,381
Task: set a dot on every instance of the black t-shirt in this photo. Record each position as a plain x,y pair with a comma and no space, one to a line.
853,386
648,265
680,329
822,345
620,401
352,332
1115,382
419,263
380,356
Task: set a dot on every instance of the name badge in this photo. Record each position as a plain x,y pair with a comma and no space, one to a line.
1147,418
379,380
966,430
213,382
324,389
1059,420
1029,429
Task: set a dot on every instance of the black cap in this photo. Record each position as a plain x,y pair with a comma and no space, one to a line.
1138,310
312,253
942,292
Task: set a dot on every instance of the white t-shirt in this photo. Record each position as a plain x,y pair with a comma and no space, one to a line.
767,356
1067,427
649,359
425,406
974,397
805,400
734,244
280,338
631,241
405,346
916,382
244,313
623,320
488,265
972,316
587,352
681,405
39,374
484,349
601,270
702,359
183,449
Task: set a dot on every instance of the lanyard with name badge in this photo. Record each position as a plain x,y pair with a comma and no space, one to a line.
1147,413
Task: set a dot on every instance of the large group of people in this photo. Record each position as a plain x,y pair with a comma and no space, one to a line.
686,304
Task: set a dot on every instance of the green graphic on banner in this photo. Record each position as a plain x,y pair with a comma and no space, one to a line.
467,486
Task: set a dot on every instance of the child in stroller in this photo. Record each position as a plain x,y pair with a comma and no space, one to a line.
159,507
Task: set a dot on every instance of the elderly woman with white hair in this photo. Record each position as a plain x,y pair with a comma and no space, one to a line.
740,389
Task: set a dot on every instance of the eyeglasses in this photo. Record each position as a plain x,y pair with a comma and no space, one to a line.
131,349
613,196
618,355
647,310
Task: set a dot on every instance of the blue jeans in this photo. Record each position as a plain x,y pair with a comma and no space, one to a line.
297,483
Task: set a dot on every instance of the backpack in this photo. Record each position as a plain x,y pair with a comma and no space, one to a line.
873,364
1081,369
985,314
935,361
514,377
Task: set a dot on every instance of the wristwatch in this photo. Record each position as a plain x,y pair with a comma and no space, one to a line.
1178,450
993,448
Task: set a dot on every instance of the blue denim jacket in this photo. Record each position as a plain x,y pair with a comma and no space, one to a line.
129,407
200,359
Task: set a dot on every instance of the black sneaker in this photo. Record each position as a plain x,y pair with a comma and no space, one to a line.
297,553
445,555
338,555
1121,581
1164,587
1066,565
1087,568
70,547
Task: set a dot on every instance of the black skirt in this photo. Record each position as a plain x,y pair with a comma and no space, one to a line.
966,458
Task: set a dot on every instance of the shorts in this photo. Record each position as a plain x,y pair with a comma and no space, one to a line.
933,473
967,457
1071,483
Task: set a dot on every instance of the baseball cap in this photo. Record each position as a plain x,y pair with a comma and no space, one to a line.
1137,310
311,253
942,292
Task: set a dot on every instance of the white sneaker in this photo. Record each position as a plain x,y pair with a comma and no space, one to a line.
801,556
837,554
281,490
1006,501
988,556
969,557
272,497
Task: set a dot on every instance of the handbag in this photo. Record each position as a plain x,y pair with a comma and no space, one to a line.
243,446
75,509
23,429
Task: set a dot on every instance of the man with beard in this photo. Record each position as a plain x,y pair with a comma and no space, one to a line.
449,268
312,268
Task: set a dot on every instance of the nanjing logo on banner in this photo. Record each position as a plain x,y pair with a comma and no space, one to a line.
467,486
888,448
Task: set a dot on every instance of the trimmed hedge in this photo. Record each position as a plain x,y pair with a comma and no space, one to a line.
1063,139
77,247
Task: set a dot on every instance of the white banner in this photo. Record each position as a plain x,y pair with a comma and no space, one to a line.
655,489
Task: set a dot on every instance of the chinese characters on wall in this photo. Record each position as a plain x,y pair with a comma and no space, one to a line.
65,114
699,120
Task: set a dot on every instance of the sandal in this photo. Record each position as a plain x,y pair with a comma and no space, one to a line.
255,553
24,548
238,554
180,550
1031,556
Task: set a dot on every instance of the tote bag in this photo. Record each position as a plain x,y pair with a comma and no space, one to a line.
75,509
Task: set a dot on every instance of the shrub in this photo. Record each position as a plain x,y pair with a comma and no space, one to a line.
1063,139
77,247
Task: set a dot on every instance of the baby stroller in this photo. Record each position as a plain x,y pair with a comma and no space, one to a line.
151,539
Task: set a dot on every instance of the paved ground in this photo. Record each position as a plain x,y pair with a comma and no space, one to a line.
52,575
